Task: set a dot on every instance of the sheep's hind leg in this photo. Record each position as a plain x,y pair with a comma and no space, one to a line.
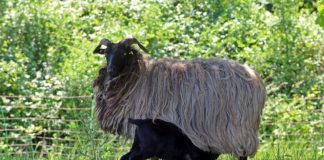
243,158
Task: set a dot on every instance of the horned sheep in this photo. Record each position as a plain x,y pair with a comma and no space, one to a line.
217,103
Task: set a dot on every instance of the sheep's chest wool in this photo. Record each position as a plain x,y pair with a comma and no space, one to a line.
216,103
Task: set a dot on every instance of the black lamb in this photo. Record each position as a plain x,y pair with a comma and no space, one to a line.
163,140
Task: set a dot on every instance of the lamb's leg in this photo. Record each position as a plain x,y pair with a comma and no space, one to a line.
243,158
216,156
125,157
134,150
133,155
130,154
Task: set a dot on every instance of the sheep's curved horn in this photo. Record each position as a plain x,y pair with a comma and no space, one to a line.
128,42
104,43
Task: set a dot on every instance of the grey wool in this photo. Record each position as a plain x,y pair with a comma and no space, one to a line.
217,103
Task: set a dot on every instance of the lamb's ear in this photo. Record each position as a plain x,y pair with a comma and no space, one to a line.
100,49
128,42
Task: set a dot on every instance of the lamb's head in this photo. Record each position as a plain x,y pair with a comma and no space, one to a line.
119,55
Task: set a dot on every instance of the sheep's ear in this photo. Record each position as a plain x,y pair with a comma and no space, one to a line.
103,45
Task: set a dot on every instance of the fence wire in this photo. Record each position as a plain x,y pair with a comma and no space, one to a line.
61,128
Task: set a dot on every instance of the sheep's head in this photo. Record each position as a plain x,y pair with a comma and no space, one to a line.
119,54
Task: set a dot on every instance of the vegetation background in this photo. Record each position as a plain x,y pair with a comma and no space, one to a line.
47,67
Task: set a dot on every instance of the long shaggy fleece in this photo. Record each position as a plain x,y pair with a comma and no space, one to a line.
216,103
